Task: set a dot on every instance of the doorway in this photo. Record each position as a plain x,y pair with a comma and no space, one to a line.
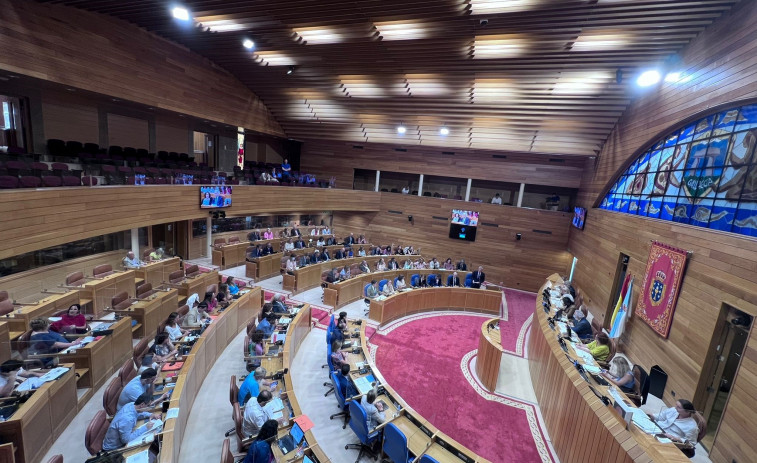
617,286
726,350
205,148
164,236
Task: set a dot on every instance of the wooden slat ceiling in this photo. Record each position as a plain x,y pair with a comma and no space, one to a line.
539,77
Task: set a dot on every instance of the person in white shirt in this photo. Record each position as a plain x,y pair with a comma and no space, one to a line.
255,414
173,329
375,413
405,190
314,232
291,265
388,288
678,423
497,199
289,245
131,261
434,264
400,283
320,242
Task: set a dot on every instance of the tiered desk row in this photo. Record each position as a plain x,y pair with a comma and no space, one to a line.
570,408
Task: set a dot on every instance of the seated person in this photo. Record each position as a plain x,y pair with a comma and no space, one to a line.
400,283
338,357
599,348
131,261
195,316
433,280
268,250
338,333
278,305
289,245
678,423
121,430
345,273
233,288
371,291
381,265
299,244
388,288
162,349
10,372
291,265
407,265
361,240
375,413
157,254
260,448
392,264
581,325
251,385
434,264
255,415
255,253
332,276
345,383
448,265
620,374
455,280
255,348
325,255
361,252
72,321
173,329
268,234
364,267
462,265
141,384
253,235
43,341
321,242
267,325
209,304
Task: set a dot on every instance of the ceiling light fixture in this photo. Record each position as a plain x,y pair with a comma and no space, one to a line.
648,78
401,130
180,13
673,76
248,44
444,131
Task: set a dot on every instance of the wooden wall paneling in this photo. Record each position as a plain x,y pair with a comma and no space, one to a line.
128,131
131,64
171,137
519,264
69,118
41,218
339,159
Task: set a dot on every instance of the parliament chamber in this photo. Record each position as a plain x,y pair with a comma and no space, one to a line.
559,148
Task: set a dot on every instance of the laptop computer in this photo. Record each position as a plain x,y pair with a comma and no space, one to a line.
291,440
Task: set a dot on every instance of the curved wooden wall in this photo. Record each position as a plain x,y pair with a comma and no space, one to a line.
102,54
722,266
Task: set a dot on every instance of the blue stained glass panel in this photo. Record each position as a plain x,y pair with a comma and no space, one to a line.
687,134
671,139
725,121
741,150
703,128
747,118
700,213
668,207
745,221
653,207
722,215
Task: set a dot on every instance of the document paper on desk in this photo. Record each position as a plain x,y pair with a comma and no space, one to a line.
275,408
585,356
139,457
363,384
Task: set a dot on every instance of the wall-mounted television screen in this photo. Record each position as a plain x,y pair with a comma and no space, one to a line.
463,225
212,197
579,216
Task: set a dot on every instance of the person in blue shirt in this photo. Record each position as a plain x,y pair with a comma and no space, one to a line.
260,449
44,341
581,325
233,288
345,383
121,430
278,304
250,387
267,325
142,384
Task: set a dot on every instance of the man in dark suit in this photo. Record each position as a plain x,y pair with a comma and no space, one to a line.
478,277
350,240
392,265
455,280
462,265
325,255
340,253
255,253
253,236
299,244
330,241
296,231
268,249
315,257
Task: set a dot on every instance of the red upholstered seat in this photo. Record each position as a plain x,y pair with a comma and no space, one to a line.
95,433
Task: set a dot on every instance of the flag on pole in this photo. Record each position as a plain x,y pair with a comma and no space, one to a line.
619,323
620,299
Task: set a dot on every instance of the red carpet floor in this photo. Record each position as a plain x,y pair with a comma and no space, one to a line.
421,359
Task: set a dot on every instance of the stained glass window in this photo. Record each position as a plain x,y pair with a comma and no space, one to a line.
703,173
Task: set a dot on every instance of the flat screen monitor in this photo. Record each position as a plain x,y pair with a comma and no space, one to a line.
216,196
463,225
579,216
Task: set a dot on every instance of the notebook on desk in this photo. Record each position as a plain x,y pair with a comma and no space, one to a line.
363,384
291,440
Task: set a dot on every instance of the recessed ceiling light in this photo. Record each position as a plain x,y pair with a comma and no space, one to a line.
673,76
401,130
600,40
648,78
402,30
444,131
319,35
498,46
180,13
501,6
220,25
248,44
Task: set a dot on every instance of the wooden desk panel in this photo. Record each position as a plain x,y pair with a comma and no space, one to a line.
489,354
157,273
152,311
310,276
571,409
426,299
101,291
5,342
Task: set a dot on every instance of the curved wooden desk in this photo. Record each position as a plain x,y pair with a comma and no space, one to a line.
489,354
198,363
423,437
432,299
582,428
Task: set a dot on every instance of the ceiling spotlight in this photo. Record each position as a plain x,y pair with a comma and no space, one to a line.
290,70
248,44
673,76
648,78
444,131
401,130
180,13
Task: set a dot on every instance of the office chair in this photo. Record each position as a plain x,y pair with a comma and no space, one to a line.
395,445
127,372
233,399
428,459
95,433
359,425
56,459
329,338
469,280
343,406
111,395
415,280
367,300
331,370
395,281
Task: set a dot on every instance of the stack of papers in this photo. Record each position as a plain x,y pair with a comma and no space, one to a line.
275,408
363,384
53,374
285,320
